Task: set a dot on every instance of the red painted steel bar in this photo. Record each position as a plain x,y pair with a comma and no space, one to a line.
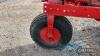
72,10
50,25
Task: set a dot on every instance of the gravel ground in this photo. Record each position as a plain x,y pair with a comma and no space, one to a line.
15,20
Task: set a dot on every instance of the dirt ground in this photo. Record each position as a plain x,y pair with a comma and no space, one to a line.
15,19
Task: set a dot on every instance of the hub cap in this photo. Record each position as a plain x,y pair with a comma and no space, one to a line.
54,38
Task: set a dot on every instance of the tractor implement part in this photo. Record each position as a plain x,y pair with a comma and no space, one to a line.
54,31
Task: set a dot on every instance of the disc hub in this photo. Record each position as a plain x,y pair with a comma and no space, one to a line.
54,38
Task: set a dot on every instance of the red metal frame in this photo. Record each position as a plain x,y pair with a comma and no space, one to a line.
50,24
70,8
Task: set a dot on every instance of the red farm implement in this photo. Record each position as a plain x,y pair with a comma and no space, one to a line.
52,30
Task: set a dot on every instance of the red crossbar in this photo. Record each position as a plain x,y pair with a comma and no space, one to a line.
71,10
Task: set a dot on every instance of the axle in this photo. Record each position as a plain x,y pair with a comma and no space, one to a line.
82,2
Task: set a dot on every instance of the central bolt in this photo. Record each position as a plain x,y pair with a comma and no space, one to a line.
50,36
